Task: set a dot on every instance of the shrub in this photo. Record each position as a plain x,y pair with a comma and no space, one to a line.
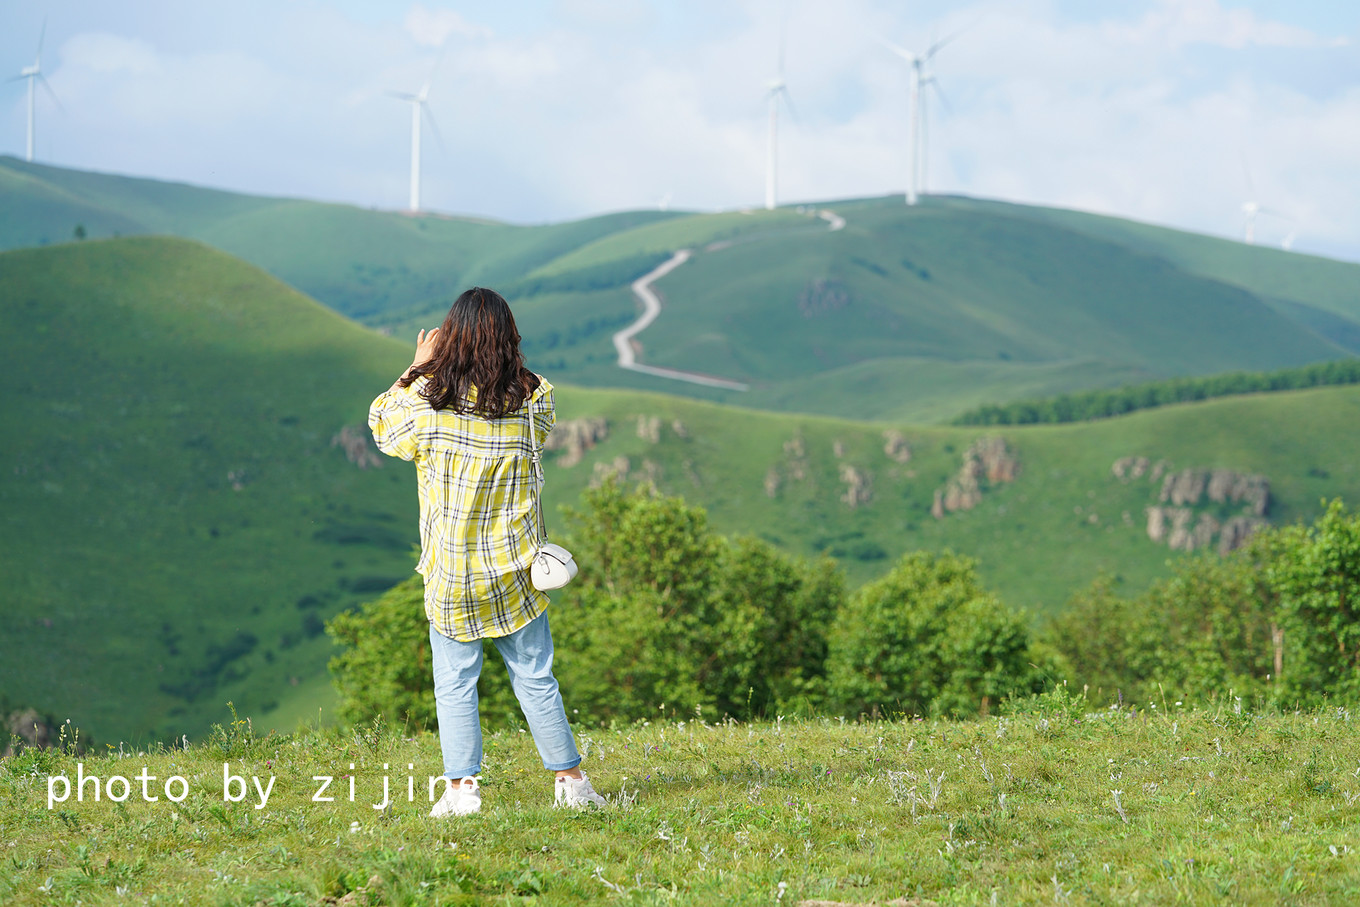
1315,571
927,639
385,668
665,612
1199,634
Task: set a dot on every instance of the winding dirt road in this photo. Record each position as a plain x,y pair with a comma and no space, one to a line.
651,307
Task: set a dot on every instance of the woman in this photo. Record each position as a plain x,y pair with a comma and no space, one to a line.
471,416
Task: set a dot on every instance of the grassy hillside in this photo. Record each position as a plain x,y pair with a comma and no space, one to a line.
362,263
176,519
908,313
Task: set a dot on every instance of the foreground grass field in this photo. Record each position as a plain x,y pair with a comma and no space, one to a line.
1156,804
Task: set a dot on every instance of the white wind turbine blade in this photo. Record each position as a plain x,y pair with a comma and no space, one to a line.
899,51
934,84
788,102
434,127
47,86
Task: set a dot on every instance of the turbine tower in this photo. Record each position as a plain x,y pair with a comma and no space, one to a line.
1252,208
921,79
34,75
775,90
419,107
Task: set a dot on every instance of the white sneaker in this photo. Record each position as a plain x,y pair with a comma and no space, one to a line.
577,793
461,799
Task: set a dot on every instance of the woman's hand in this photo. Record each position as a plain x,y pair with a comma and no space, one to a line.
426,343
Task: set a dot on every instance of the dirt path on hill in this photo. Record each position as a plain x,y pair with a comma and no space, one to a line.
651,308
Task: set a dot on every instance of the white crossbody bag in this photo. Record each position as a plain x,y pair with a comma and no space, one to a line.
553,565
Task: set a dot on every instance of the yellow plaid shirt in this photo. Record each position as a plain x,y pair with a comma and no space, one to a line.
478,523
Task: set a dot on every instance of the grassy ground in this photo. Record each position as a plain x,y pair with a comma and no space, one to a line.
1156,804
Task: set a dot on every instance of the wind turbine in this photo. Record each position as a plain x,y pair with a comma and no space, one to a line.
419,106
34,75
1252,208
921,79
775,89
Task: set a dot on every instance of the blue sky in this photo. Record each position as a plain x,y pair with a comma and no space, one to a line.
1171,111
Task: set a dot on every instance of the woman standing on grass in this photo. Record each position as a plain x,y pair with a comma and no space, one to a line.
471,416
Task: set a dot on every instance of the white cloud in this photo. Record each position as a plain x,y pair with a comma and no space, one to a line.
1176,23
433,27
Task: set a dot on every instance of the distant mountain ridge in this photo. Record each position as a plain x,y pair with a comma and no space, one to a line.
907,313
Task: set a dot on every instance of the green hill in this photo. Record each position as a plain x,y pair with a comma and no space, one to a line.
175,519
913,314
178,510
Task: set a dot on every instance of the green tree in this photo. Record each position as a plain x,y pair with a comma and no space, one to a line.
1315,570
1202,632
927,639
665,612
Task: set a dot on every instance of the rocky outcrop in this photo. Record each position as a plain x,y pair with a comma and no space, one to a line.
772,483
1226,486
896,447
358,446
573,437
614,469
1184,487
1237,530
679,428
988,460
795,455
25,728
821,297
1221,486
649,428
1126,469
999,462
1177,524
858,486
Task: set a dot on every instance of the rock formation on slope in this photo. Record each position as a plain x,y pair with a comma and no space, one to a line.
859,486
576,436
358,446
614,469
1175,521
987,459
821,297
649,428
896,447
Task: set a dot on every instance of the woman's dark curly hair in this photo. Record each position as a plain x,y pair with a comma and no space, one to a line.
476,367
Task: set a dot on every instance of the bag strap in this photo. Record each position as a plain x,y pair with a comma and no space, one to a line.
537,457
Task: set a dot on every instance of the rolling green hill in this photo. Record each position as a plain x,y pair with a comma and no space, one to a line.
175,518
180,507
913,314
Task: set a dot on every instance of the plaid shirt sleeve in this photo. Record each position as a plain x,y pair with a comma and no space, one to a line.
545,412
392,419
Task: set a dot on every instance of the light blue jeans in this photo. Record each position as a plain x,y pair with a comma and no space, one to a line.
528,654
